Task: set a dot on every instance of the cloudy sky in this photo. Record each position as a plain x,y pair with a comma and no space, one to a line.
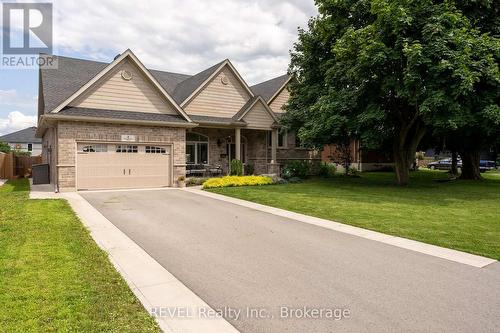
180,36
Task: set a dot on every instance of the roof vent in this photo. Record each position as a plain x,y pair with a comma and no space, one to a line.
117,56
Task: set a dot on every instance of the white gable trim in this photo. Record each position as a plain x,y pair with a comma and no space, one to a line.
279,90
128,53
259,98
214,74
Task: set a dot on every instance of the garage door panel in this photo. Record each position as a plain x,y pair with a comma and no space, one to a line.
109,169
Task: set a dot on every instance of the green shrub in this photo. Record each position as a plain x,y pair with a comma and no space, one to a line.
236,168
22,153
229,181
327,170
295,168
353,172
294,180
4,147
249,169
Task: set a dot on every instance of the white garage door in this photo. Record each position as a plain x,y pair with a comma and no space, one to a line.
109,166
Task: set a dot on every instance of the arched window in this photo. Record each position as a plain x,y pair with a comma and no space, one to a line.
196,148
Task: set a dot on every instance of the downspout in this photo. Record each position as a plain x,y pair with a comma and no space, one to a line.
56,133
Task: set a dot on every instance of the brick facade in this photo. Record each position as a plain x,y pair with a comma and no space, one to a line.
257,151
68,133
64,137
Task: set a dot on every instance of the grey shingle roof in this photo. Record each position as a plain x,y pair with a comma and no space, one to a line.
268,88
26,135
188,86
71,74
168,80
125,115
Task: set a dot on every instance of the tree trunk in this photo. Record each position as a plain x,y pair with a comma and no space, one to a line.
402,167
405,148
454,160
470,164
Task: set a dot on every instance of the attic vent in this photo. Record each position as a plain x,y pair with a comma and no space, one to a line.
126,75
224,80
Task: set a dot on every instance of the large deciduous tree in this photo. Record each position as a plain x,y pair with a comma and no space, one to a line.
385,70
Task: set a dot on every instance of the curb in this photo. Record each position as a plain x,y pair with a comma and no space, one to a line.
408,244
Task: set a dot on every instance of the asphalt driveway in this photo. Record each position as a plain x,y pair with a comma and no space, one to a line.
272,267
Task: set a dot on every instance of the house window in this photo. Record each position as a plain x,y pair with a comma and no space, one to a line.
30,147
155,150
298,143
95,148
126,149
282,136
196,148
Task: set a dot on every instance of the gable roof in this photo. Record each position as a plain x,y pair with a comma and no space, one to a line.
209,74
71,74
248,106
270,88
125,55
26,135
185,88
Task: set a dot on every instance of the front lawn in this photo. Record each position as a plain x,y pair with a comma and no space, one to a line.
462,215
53,277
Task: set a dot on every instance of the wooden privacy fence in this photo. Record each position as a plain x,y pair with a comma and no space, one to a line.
6,165
23,164
12,166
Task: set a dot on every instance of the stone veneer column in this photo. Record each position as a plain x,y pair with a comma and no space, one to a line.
237,143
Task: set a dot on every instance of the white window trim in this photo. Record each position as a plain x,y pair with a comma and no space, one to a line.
195,143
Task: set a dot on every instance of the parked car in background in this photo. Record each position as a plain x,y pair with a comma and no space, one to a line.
444,164
485,165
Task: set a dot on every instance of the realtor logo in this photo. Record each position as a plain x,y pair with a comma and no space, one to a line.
27,31
27,28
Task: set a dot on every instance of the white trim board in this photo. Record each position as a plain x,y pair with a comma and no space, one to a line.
432,250
279,90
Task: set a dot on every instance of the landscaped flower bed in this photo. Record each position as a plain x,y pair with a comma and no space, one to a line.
229,181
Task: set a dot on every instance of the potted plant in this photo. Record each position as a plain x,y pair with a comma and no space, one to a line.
181,181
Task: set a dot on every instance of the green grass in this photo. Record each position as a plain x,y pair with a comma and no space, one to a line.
53,277
462,215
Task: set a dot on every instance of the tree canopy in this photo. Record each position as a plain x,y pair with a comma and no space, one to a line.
390,71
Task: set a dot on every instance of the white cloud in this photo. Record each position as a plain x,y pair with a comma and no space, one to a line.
12,99
185,36
16,121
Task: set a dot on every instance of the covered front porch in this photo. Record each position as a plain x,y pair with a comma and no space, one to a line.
210,150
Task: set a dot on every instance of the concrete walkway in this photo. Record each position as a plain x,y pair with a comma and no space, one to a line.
270,267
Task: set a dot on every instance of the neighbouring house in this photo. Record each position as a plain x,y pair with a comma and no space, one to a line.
361,159
24,140
121,125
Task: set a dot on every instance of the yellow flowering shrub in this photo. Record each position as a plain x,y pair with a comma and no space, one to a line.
237,181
